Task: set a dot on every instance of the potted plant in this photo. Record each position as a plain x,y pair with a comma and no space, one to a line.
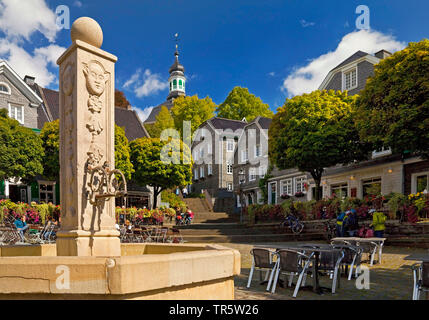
285,196
299,194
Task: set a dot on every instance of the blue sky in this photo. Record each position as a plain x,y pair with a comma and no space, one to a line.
275,48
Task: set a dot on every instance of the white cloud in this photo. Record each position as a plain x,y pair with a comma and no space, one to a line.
271,74
143,113
20,19
145,84
35,64
78,4
309,77
306,24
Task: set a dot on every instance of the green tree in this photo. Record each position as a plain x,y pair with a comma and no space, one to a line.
164,120
21,151
152,170
50,136
393,109
122,153
240,104
150,128
192,109
315,131
51,162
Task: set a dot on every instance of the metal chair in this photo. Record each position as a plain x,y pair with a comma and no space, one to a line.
330,261
293,263
263,260
369,248
421,279
352,257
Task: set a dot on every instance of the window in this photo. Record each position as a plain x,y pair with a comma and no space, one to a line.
201,172
4,88
252,174
257,151
174,84
262,171
371,187
230,145
209,170
422,183
229,186
244,156
272,196
196,174
46,192
180,84
340,190
17,113
286,187
299,184
229,167
350,79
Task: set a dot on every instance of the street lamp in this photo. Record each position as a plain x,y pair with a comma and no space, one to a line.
241,177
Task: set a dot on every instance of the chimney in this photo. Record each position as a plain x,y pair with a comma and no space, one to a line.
29,80
383,54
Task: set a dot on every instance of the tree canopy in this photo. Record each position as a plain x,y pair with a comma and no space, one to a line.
192,109
315,131
122,153
240,103
121,100
164,120
393,109
21,151
50,136
152,170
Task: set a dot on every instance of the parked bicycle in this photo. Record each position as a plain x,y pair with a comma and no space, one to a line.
293,223
330,230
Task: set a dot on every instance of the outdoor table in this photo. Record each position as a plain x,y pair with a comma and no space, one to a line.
378,241
317,251
421,257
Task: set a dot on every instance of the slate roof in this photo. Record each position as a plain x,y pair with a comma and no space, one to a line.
129,120
222,123
156,110
264,122
359,54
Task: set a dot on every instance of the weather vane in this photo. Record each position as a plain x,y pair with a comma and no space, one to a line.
177,40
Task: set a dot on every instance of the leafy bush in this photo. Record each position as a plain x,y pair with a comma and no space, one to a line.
196,195
173,200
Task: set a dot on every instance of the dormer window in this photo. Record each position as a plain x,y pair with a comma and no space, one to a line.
174,84
350,79
4,88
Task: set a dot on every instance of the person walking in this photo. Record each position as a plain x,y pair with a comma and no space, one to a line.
185,192
379,223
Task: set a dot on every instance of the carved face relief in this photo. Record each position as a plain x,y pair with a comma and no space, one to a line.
68,80
96,78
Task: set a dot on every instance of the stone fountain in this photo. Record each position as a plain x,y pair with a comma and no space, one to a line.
88,260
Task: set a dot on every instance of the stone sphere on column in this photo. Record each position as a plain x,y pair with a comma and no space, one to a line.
87,30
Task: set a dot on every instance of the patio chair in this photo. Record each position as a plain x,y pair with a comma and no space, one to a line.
11,235
262,259
174,236
330,261
370,248
292,263
421,279
352,258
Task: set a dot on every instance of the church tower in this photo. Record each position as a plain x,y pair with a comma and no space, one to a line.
177,78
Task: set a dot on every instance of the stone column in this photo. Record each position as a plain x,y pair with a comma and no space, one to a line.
87,122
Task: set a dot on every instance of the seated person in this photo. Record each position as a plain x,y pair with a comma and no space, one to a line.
49,226
21,226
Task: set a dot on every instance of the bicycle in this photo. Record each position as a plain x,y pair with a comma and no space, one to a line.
293,223
330,230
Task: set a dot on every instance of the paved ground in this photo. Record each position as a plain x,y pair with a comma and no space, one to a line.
392,280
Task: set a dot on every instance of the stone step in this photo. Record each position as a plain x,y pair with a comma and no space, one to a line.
253,238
